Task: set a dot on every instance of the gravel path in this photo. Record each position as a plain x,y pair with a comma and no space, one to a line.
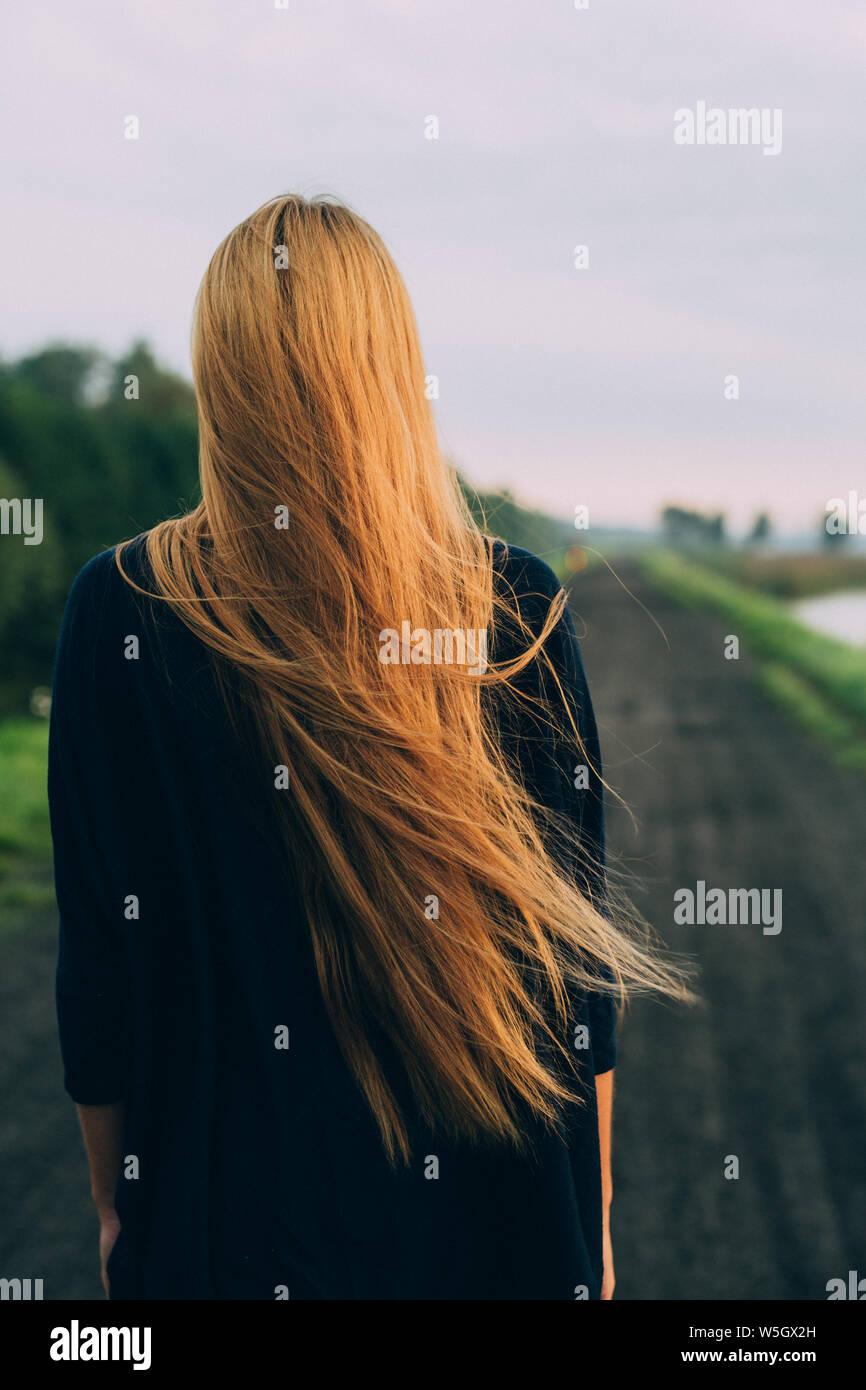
771,1068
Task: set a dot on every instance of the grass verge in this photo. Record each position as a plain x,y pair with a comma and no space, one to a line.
820,681
25,840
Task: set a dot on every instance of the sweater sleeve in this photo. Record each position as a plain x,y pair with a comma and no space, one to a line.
91,979
567,780
582,777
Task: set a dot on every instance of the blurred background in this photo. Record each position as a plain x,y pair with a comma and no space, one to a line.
646,360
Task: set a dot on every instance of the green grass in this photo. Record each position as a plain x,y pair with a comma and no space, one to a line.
789,576
819,680
813,713
25,840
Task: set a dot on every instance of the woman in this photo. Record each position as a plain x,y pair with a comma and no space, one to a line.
338,971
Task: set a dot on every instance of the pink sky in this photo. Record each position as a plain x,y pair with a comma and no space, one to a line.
602,386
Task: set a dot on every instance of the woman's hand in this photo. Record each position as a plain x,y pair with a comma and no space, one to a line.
608,1282
109,1230
102,1127
604,1096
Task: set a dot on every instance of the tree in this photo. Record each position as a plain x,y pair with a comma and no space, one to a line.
159,393
761,528
683,527
60,372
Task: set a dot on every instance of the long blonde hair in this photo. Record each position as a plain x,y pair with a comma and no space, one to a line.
328,516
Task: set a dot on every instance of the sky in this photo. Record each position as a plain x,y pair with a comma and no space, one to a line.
601,387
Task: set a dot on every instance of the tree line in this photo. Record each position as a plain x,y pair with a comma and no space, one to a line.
107,465
110,445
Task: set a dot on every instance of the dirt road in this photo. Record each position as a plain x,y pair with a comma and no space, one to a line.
769,1070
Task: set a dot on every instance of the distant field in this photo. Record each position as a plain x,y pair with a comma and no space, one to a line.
25,841
789,576
820,681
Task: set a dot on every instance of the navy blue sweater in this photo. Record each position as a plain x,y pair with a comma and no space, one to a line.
251,1171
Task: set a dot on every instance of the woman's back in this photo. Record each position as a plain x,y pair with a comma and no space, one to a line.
187,986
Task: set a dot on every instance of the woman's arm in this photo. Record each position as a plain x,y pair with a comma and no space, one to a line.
102,1127
89,712
604,1096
